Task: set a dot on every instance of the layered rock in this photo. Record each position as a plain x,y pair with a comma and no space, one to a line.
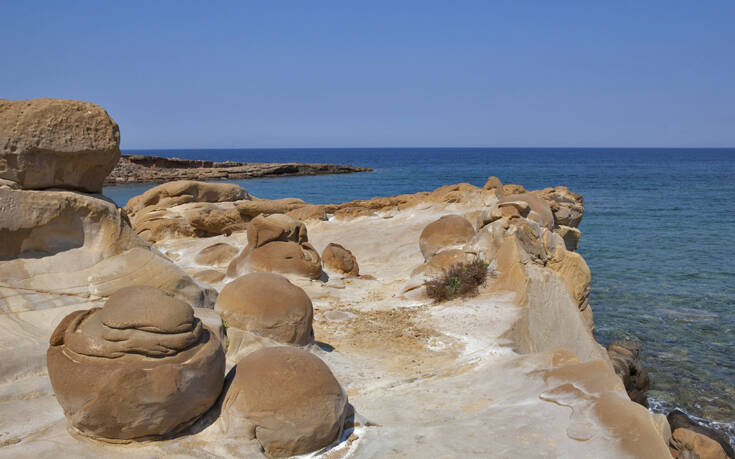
338,259
625,356
287,399
53,143
277,243
140,367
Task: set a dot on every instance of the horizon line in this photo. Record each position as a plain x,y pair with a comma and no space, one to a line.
427,147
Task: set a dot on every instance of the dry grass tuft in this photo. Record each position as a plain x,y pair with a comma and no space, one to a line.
460,280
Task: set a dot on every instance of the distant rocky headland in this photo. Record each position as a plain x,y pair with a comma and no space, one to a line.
156,169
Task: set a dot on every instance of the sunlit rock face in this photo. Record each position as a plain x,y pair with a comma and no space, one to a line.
287,399
143,366
268,305
54,143
340,260
279,244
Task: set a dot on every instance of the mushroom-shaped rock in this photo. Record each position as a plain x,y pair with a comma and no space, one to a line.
47,143
276,227
278,257
268,305
339,259
219,254
141,367
287,399
539,211
445,233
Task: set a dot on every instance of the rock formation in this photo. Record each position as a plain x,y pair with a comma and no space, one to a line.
218,255
155,169
447,232
277,243
52,143
625,356
287,399
267,305
689,438
337,258
140,367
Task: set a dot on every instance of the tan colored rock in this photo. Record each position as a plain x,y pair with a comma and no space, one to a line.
662,427
705,447
337,258
184,191
494,183
267,305
287,399
447,232
540,211
209,276
278,257
576,275
276,227
570,235
513,189
162,369
55,143
218,255
308,212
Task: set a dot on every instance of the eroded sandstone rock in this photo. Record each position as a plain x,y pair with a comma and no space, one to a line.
267,305
287,399
140,367
339,259
447,232
55,143
567,207
218,255
539,210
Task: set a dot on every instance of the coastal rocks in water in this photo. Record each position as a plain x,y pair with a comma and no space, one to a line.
140,367
287,400
218,255
449,231
337,258
570,235
625,357
701,440
567,207
277,243
268,305
55,143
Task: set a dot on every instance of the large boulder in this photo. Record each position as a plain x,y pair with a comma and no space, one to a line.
54,143
567,206
693,436
450,231
287,399
338,259
625,356
279,244
184,191
141,367
267,305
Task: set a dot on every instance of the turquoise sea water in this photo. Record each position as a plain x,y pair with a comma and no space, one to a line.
657,235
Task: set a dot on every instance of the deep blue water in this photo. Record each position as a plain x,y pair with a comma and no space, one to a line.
657,235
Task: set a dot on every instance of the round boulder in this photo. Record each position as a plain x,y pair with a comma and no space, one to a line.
219,255
339,259
54,143
447,232
278,257
287,399
141,367
268,305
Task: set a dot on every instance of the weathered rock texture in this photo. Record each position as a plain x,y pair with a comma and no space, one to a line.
268,305
277,243
142,366
156,169
448,231
691,438
625,356
53,143
337,258
287,399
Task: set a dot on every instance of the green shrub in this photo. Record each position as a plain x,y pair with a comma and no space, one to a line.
459,280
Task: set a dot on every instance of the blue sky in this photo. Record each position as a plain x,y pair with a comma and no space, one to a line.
178,74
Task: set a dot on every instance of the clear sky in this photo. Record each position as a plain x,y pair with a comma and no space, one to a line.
180,74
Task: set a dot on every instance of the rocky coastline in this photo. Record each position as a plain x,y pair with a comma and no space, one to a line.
134,169
202,321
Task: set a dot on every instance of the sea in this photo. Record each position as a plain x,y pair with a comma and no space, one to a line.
658,234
